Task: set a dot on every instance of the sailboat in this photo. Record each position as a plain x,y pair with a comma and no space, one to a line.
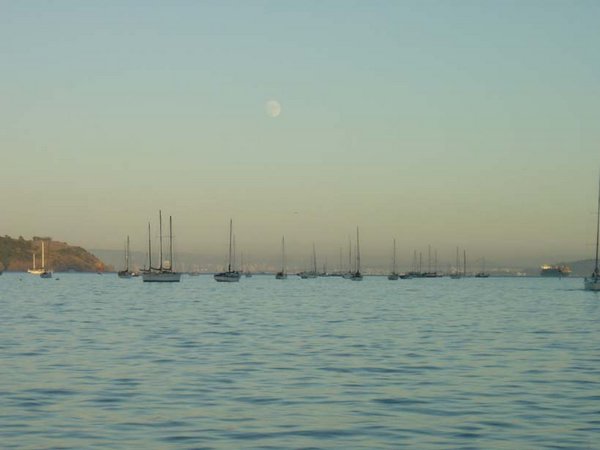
592,283
456,274
311,273
230,275
45,272
37,270
126,273
41,271
394,275
161,274
282,274
357,276
483,273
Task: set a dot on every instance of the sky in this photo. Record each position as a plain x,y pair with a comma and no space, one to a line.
438,123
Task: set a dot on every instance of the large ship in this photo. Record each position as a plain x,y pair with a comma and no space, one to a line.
555,271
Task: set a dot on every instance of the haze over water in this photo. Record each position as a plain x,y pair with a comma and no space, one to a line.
99,362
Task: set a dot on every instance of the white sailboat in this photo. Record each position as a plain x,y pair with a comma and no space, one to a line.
126,273
161,274
357,276
37,270
282,274
394,275
41,271
45,272
230,275
592,283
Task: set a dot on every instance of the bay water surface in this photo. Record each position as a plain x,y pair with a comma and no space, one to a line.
93,361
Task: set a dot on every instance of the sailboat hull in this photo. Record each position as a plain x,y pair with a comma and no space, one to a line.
592,284
357,276
227,277
36,271
161,277
281,276
307,275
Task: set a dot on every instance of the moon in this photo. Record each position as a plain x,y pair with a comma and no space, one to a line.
273,108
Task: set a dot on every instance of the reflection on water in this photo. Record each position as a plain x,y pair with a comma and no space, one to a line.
90,361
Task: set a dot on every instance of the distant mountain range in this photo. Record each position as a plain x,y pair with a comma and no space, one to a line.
17,255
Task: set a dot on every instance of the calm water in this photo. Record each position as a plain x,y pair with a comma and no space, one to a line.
90,361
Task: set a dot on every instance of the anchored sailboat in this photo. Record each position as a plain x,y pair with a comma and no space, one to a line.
282,274
126,273
456,274
41,271
592,283
357,276
230,275
313,272
161,273
37,270
45,272
483,273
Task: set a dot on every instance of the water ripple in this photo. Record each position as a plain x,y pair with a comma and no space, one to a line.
92,362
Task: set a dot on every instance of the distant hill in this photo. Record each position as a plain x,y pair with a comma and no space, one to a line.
17,254
581,268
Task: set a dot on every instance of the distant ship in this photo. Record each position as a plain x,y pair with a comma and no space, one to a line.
555,271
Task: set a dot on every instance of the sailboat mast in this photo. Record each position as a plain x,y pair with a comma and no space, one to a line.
149,248
394,263
464,263
234,260
357,252
230,237
127,255
44,261
314,259
429,258
160,245
349,255
597,226
170,243
282,254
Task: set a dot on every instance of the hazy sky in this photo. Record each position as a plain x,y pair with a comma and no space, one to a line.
443,123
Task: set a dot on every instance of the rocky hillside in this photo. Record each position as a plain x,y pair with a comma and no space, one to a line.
17,255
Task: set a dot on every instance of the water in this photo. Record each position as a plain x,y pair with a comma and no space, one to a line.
90,361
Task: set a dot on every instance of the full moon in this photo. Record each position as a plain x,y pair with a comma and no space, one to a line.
273,108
